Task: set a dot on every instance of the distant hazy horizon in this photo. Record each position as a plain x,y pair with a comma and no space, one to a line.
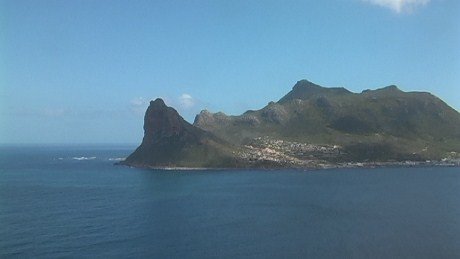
84,71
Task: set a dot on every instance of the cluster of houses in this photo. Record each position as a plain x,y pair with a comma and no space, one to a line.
288,152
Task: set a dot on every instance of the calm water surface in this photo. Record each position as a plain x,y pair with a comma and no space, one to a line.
72,202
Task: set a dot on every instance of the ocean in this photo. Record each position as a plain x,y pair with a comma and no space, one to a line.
72,201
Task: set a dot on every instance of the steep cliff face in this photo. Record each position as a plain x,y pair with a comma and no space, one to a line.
163,125
170,141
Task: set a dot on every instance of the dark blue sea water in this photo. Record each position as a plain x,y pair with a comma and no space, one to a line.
61,201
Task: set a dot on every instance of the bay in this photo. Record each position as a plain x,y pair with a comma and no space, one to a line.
71,201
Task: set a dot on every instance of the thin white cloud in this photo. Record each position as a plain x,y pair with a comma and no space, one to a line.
186,101
399,6
139,101
138,105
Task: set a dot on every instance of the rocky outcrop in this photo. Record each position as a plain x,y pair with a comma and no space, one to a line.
207,120
275,113
170,141
163,123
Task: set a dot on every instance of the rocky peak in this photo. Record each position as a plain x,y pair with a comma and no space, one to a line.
304,90
158,103
305,84
203,114
391,88
161,121
203,118
206,120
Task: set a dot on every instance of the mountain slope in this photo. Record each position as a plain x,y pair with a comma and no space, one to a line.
384,124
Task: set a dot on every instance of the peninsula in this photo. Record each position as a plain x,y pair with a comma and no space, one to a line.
310,127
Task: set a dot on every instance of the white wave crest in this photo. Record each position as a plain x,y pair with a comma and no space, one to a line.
117,158
82,158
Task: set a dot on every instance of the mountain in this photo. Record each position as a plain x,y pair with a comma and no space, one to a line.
170,141
305,89
311,126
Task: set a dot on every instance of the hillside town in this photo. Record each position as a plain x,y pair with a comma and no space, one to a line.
272,152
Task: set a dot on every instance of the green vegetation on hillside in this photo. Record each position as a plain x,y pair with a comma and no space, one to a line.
311,126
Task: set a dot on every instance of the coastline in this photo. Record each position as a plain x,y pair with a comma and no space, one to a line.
348,165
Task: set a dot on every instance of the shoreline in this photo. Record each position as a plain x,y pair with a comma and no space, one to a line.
349,165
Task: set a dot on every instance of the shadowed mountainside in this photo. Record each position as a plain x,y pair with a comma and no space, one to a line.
170,141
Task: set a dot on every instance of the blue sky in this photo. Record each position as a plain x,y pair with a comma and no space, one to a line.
84,71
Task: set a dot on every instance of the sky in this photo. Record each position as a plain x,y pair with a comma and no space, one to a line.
84,71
